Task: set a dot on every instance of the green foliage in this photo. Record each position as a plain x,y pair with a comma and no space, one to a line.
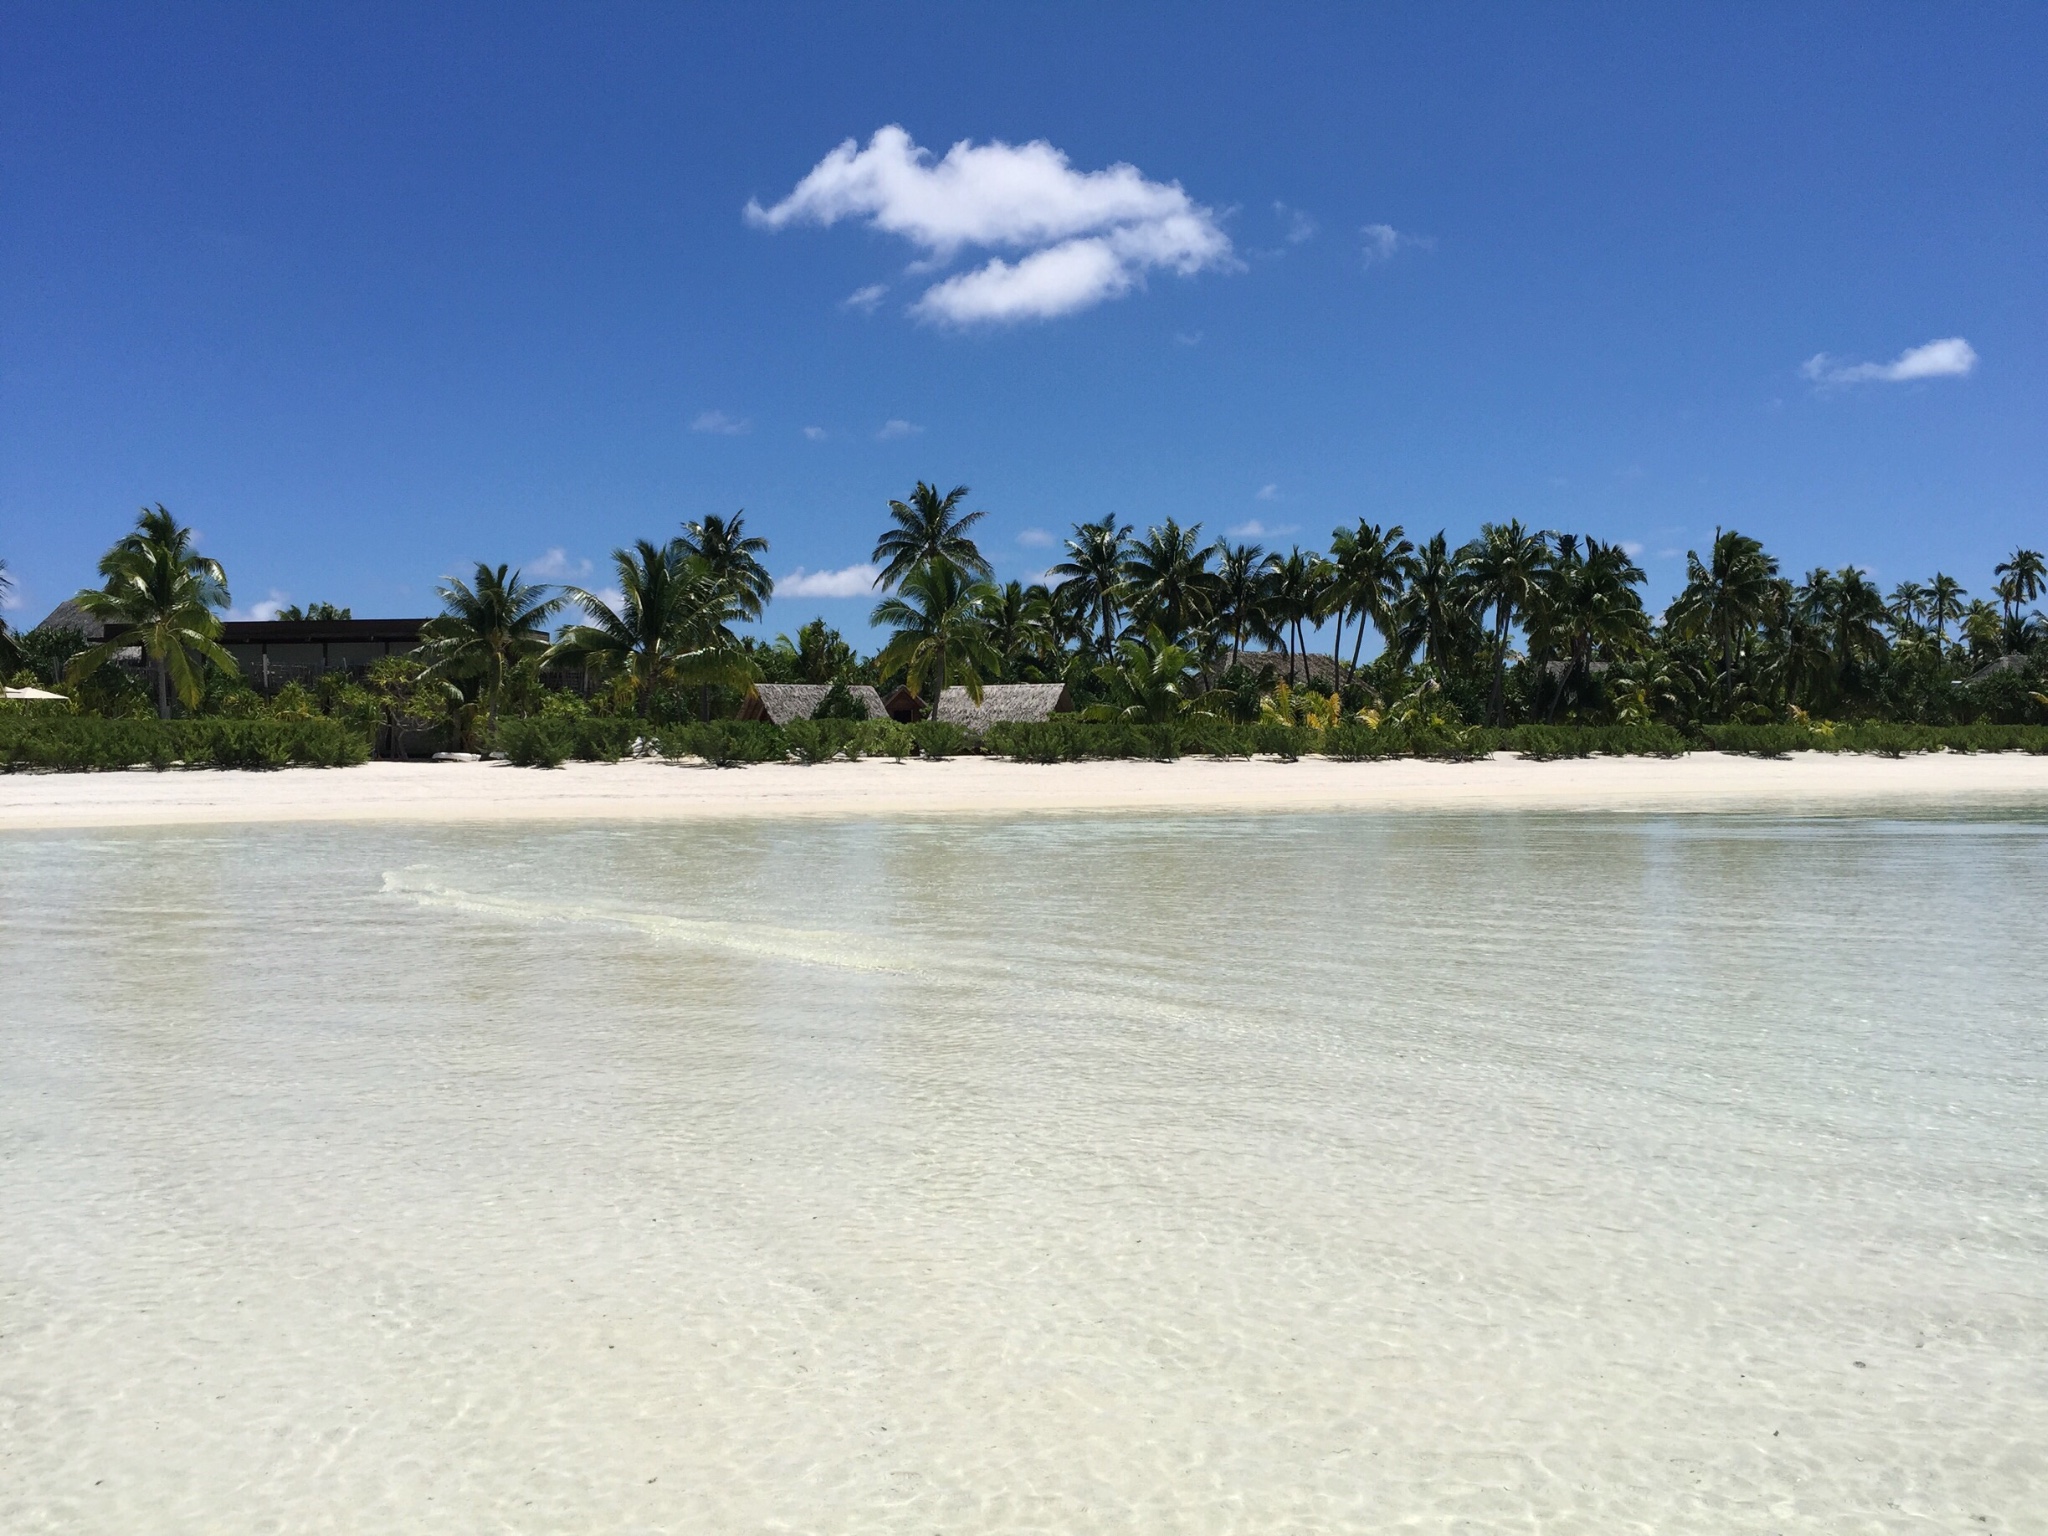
819,740
937,739
724,743
886,738
547,741
79,742
839,704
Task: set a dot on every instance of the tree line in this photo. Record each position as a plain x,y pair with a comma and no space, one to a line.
1515,625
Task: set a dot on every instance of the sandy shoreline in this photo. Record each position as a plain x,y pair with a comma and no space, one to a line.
644,791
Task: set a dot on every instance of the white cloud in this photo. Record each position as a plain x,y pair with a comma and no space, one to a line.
896,427
1252,528
721,424
1268,493
815,434
1950,358
556,565
1086,236
1188,338
1631,548
1383,240
853,581
1035,538
865,299
1299,226
264,611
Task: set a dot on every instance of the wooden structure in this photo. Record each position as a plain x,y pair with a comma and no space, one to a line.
1001,704
780,703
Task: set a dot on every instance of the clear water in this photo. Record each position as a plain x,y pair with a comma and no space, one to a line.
1310,1173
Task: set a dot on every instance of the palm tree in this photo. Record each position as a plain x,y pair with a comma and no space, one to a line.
1907,605
1092,575
1019,626
1944,606
1854,614
1982,629
1433,616
1148,682
1242,585
938,616
671,625
1504,568
929,529
161,595
1588,609
1294,595
733,560
2022,579
486,628
1725,598
1167,579
1371,567
10,652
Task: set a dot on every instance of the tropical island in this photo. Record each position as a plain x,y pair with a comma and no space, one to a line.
1153,646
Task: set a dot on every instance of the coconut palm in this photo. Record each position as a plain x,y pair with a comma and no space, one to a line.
1295,585
1242,585
2021,579
733,559
1151,681
10,652
1167,581
1092,575
486,628
1432,617
1725,598
1944,606
938,616
163,596
1906,606
1587,609
672,624
1371,565
1019,626
1504,569
929,529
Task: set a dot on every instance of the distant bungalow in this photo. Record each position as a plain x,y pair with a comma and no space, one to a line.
780,703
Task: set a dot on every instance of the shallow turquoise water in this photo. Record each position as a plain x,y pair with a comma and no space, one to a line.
1291,1173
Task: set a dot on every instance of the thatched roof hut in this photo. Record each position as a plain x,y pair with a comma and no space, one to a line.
1312,669
781,703
1001,704
68,615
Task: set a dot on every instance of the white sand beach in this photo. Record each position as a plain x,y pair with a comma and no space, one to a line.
628,791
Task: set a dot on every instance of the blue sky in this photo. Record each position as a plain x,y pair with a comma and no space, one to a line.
367,294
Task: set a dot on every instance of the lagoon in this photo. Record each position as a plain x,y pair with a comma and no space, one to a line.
1138,1172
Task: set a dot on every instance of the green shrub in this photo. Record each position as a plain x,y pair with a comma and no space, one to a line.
1286,742
1758,740
937,739
724,743
82,742
884,738
535,743
824,737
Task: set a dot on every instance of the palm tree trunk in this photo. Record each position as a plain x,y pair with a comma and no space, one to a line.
163,689
1337,654
1497,706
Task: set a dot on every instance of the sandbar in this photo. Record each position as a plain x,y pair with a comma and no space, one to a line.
640,790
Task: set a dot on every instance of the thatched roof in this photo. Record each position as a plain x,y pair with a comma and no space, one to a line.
2012,661
1313,669
784,702
68,615
1004,704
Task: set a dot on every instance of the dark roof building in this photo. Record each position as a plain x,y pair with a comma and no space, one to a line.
1001,704
781,703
